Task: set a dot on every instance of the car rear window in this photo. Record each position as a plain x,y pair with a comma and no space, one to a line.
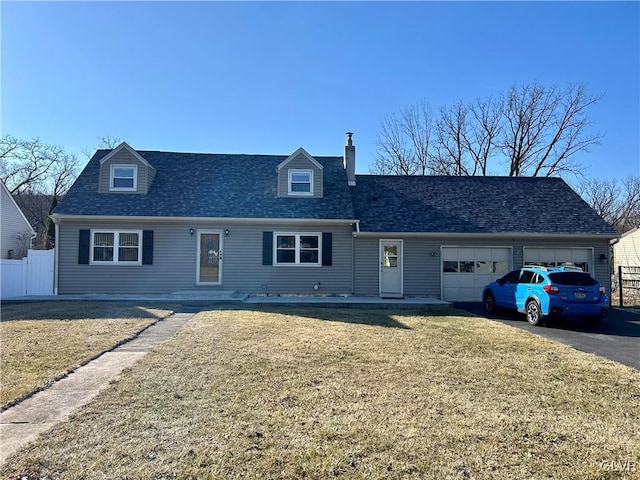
572,278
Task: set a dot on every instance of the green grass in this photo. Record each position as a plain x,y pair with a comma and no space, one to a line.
42,341
341,393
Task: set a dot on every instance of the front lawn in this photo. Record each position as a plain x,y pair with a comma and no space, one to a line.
322,393
43,340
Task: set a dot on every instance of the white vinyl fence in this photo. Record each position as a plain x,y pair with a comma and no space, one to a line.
33,275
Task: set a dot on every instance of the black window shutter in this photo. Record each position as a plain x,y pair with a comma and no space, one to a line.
84,246
267,248
147,247
327,247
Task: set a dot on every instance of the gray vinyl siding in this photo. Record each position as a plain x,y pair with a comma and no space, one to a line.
299,162
13,224
124,157
175,257
422,271
366,266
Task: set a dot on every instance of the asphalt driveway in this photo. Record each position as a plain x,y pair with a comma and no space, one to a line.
616,338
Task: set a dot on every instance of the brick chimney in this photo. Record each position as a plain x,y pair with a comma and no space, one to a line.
350,160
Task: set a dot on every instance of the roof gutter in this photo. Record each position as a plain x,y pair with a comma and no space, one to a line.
64,218
502,236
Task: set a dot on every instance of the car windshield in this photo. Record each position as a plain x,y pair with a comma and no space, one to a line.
572,278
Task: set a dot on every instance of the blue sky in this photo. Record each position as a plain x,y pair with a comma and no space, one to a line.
269,77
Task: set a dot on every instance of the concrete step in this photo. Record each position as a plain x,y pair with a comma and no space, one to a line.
208,294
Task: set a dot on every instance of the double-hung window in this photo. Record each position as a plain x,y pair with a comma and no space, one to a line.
300,182
121,247
124,178
297,248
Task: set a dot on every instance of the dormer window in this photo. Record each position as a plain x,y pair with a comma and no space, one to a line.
301,182
124,178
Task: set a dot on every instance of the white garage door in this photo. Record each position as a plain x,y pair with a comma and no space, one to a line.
466,270
554,257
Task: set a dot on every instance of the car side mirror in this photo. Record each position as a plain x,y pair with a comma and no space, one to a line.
500,281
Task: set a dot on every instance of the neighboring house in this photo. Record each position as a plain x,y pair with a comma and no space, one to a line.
626,251
160,222
16,233
626,254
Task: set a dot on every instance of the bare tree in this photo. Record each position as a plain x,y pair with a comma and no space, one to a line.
35,166
404,142
106,142
536,130
545,128
36,174
616,201
23,241
485,128
450,156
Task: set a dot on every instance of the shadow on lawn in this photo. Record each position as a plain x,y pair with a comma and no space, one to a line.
79,310
382,317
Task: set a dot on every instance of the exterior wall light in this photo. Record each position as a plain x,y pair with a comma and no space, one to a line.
226,232
192,232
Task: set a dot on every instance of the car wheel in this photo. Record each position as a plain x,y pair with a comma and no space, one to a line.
534,316
592,322
489,303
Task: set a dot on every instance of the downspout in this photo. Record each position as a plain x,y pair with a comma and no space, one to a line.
353,266
612,271
353,257
55,258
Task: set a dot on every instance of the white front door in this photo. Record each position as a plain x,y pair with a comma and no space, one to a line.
209,271
391,268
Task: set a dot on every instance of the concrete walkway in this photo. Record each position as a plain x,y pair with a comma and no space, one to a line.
204,298
25,421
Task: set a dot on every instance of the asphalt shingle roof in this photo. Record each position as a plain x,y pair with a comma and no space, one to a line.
444,204
211,185
245,186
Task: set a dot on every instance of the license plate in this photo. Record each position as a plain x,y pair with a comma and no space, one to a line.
580,295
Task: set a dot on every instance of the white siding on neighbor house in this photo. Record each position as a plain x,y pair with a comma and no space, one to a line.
175,257
14,224
300,162
124,157
626,252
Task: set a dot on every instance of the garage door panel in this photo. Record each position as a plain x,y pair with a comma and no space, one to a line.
474,268
551,257
450,280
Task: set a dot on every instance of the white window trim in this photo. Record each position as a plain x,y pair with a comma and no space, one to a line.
300,170
297,263
116,245
123,189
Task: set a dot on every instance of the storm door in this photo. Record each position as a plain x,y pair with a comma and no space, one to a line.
391,268
209,258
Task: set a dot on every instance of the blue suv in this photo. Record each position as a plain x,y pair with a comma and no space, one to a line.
541,292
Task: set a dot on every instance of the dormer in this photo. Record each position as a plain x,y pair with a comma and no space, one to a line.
300,176
123,170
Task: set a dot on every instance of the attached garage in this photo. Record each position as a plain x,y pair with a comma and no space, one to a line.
554,257
481,227
466,270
